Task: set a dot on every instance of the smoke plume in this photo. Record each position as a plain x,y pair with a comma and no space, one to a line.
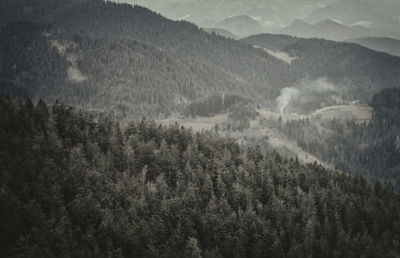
287,94
308,96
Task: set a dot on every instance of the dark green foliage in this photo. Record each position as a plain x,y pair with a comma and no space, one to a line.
75,186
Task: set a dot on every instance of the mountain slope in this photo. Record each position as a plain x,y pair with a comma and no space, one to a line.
369,71
241,25
388,45
184,55
297,27
32,10
133,62
124,76
330,29
271,41
370,147
221,32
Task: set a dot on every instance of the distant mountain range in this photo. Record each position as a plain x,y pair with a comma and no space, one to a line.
364,18
241,25
382,15
327,29
332,30
269,13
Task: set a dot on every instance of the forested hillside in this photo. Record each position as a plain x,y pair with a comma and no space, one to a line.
359,71
77,186
17,10
371,149
104,37
132,62
388,45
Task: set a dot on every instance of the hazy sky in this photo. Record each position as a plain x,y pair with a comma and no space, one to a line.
277,12
274,14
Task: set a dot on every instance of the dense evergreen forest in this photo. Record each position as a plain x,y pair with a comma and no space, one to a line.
74,185
370,148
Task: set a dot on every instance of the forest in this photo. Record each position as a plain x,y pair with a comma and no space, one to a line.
75,185
359,72
86,171
369,148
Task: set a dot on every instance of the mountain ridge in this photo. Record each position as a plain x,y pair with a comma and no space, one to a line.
385,44
378,16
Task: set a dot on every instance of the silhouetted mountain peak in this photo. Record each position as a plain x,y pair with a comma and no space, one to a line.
299,24
330,24
240,18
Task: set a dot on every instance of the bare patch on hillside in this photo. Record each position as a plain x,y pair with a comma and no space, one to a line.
67,49
362,113
285,57
281,55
